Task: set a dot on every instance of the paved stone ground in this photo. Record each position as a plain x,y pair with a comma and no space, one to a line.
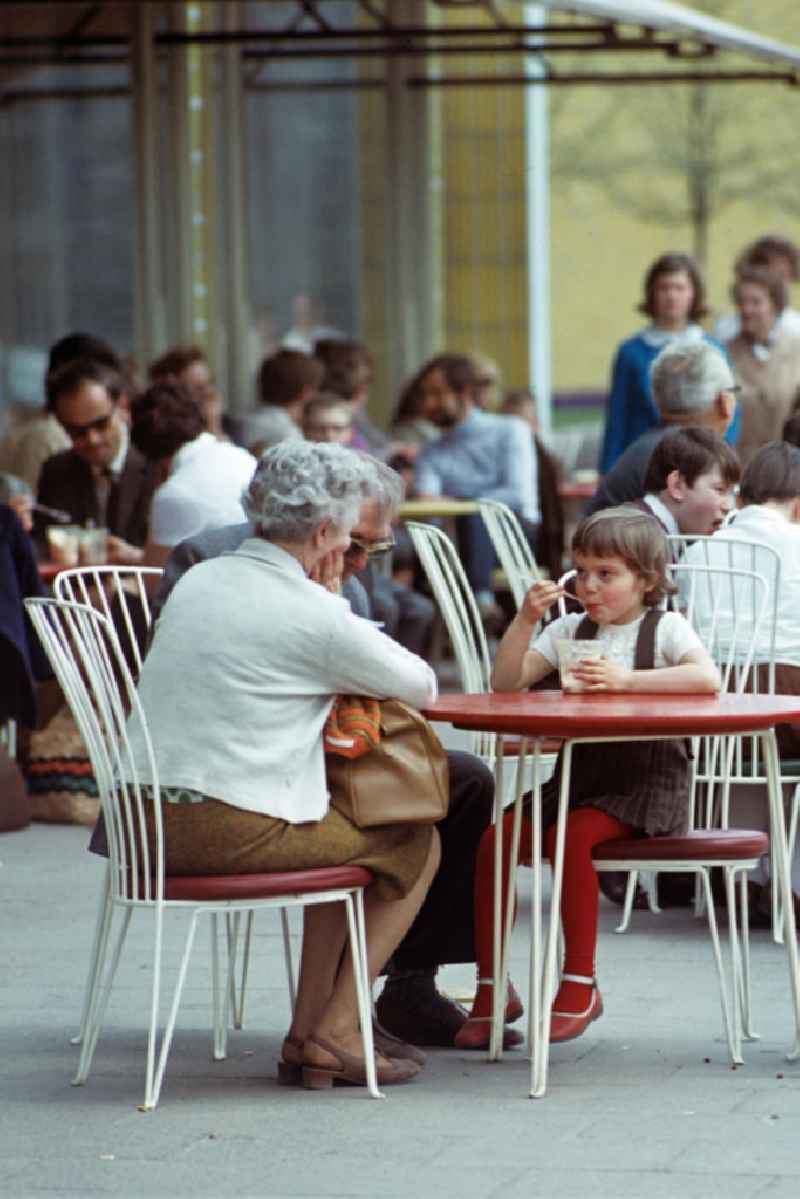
644,1105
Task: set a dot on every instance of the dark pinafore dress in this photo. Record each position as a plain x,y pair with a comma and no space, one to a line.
642,783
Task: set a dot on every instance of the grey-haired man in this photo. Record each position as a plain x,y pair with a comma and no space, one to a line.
693,385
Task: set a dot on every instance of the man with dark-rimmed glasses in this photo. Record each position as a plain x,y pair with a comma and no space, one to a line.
102,479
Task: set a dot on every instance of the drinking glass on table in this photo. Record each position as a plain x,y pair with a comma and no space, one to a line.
570,652
63,543
93,547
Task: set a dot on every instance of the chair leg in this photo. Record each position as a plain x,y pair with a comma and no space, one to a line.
356,926
99,1002
219,1008
627,907
650,884
777,911
97,957
238,1011
745,976
287,955
155,1071
777,914
232,921
732,1031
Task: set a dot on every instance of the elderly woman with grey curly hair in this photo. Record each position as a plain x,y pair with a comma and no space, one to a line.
247,657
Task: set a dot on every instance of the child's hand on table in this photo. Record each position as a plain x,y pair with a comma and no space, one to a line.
599,674
539,599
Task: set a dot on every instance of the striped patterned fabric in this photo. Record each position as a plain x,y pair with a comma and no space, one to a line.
353,727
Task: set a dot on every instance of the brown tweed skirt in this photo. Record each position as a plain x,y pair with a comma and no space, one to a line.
213,837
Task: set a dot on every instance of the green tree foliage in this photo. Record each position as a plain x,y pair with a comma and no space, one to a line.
680,154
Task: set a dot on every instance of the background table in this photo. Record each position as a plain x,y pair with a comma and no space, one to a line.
428,509
611,717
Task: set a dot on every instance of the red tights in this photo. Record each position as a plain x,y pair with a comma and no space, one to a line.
580,897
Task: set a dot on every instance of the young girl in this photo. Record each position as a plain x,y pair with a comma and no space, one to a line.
642,788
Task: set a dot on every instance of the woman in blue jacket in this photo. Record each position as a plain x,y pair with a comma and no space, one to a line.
674,299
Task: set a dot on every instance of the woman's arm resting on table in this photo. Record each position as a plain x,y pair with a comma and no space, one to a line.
364,661
694,674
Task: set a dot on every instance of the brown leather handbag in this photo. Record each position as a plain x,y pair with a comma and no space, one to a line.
401,780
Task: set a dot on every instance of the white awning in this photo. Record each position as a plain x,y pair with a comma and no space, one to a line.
677,18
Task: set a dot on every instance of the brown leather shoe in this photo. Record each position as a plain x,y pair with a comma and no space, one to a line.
411,1009
290,1064
350,1069
393,1047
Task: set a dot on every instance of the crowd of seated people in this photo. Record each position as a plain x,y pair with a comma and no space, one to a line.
160,470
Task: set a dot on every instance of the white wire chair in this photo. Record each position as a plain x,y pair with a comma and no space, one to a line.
123,595
462,620
511,546
727,550
84,653
714,589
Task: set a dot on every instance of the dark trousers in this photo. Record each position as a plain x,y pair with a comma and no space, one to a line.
444,930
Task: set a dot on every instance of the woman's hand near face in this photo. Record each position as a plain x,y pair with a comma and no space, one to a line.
539,599
328,571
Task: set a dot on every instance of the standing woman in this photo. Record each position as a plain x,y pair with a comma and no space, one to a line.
674,299
765,357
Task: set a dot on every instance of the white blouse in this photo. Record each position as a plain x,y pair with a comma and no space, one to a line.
770,528
675,637
247,656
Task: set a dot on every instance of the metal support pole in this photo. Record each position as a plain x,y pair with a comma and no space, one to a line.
537,183
150,335
238,386
180,298
411,283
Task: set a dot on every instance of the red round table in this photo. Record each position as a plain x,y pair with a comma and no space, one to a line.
537,715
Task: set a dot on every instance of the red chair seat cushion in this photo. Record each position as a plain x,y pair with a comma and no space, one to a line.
264,886
701,844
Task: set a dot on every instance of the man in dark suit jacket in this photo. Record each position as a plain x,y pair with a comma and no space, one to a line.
102,479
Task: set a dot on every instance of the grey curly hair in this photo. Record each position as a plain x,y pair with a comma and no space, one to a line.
299,484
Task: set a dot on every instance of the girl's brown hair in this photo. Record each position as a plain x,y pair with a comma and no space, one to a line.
634,536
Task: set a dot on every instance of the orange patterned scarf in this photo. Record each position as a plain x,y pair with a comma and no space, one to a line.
353,726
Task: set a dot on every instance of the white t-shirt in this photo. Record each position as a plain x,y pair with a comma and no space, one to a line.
203,491
675,638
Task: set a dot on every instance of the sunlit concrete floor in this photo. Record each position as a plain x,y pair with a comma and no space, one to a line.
645,1104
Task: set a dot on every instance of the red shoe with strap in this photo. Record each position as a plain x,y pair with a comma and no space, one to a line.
566,1026
474,1034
